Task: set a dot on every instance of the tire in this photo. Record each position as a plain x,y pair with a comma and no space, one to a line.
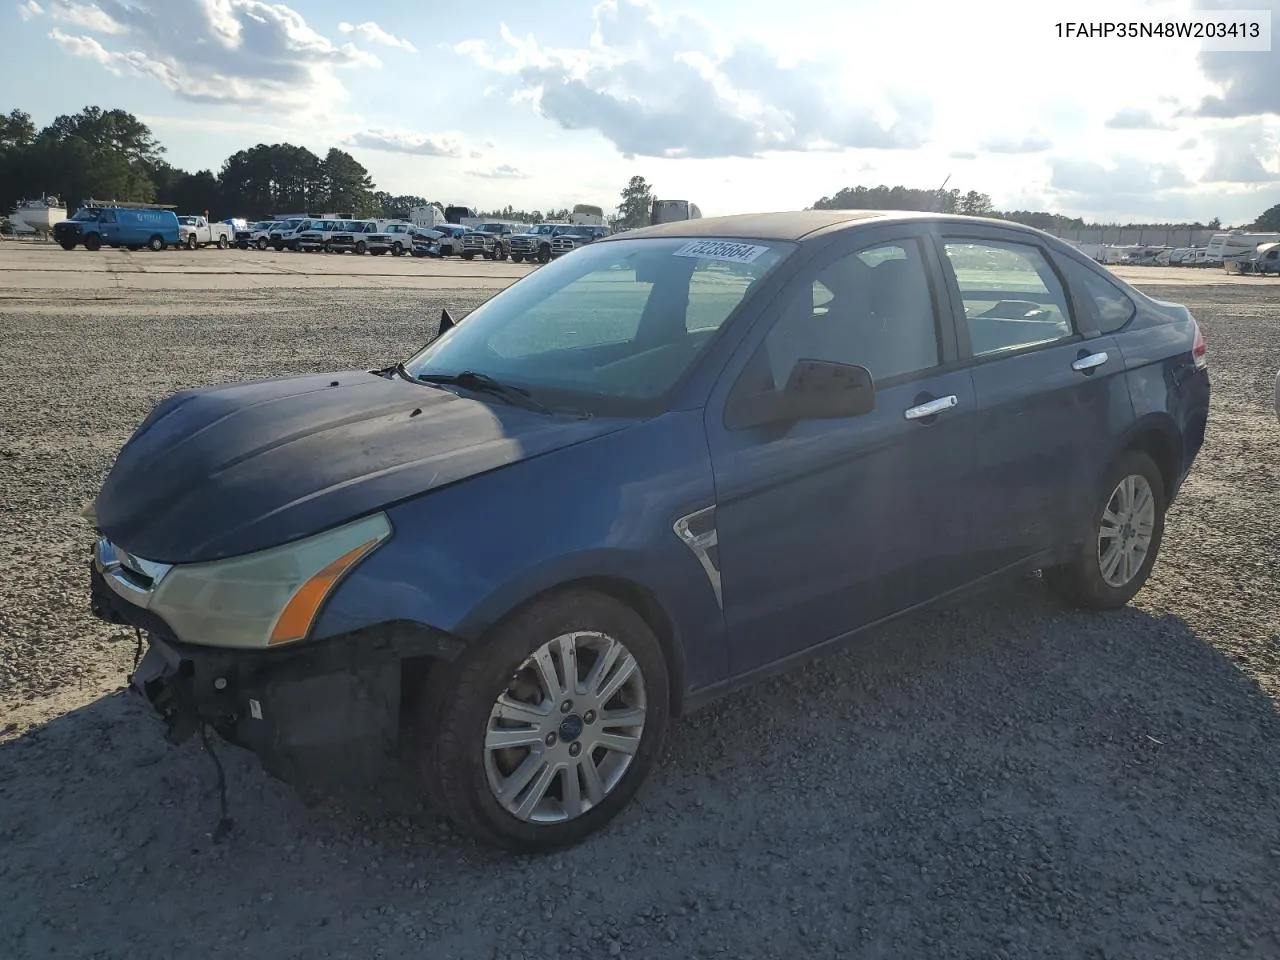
397,249
361,247
1084,580
156,244
67,244
262,243
468,255
544,254
223,243
191,241
460,703
92,241
517,258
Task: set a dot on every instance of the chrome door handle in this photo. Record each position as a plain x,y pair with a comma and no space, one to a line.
930,409
1091,361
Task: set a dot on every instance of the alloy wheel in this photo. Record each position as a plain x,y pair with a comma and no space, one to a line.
563,733
1124,535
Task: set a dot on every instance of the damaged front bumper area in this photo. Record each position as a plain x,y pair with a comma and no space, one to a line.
318,714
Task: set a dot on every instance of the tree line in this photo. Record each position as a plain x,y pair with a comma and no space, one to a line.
99,154
112,155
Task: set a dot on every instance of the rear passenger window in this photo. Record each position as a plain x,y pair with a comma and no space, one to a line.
1012,298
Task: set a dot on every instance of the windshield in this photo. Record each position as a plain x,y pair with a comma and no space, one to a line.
612,329
88,214
187,221
490,228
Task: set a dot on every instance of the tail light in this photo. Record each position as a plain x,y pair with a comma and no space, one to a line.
1199,352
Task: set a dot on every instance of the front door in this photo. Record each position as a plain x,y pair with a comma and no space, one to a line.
824,526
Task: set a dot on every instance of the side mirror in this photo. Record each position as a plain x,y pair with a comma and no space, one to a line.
446,321
815,390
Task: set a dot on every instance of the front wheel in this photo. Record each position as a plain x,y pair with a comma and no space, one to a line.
191,242
361,247
517,258
468,255
541,733
262,243
67,244
1123,539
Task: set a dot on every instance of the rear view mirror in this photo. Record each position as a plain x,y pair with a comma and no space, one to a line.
648,271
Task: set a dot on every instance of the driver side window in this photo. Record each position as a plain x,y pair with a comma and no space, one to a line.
873,308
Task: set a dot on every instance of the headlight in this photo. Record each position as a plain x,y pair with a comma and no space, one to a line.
265,598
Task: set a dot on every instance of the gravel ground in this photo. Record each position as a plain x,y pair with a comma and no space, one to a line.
1001,779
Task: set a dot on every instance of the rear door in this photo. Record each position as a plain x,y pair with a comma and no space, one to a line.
1049,391
824,526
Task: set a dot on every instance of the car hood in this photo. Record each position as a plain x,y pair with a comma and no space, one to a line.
224,471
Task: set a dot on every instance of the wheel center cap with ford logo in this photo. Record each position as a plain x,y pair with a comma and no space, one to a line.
571,728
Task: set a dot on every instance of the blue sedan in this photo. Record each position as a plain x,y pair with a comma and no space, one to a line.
666,464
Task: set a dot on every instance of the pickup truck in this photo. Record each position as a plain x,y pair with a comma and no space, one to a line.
489,240
199,232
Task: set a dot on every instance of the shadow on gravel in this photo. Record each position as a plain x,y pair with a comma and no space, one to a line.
1001,779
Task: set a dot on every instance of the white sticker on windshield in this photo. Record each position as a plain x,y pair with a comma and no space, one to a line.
729,250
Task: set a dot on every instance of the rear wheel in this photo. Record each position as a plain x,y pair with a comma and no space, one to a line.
541,733
156,243
223,243
1123,540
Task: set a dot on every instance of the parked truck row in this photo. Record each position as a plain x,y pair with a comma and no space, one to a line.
430,231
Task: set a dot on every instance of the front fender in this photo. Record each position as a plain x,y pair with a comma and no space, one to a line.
464,556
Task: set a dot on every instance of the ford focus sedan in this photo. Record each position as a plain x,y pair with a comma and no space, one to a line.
660,467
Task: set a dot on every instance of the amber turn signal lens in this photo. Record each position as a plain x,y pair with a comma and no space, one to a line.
300,612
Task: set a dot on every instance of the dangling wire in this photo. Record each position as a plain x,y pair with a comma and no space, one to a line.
225,823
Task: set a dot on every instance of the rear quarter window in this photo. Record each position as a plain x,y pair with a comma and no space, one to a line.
1111,306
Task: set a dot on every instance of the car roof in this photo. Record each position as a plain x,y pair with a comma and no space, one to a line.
796,225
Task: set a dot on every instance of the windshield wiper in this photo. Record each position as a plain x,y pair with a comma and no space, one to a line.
483,383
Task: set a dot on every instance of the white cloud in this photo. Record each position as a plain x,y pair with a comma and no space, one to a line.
86,16
502,172
244,52
1088,181
1028,144
1246,81
419,144
29,10
373,33
1135,118
665,85
1243,154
